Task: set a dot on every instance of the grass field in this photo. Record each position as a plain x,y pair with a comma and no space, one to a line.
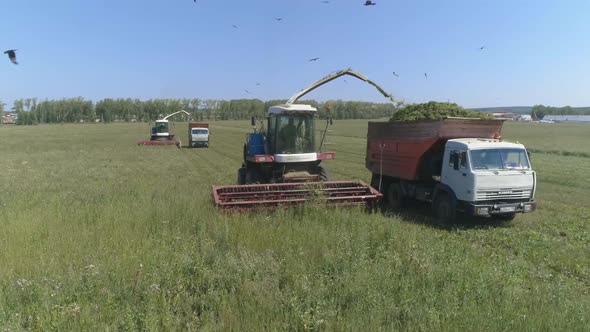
98,233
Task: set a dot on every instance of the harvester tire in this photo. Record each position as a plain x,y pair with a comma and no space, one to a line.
241,175
252,176
324,174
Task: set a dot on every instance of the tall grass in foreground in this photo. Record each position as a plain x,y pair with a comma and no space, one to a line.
96,233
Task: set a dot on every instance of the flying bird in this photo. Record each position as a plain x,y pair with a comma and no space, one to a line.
325,1
481,48
11,56
425,75
395,74
257,83
370,3
314,59
278,18
345,81
235,26
248,92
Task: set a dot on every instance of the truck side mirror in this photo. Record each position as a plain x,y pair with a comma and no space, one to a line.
455,160
528,154
253,121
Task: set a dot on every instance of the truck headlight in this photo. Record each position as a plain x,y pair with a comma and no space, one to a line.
529,207
482,211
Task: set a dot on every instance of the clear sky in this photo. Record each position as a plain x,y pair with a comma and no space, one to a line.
536,51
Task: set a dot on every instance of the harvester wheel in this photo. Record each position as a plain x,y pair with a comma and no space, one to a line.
242,175
252,176
324,174
443,209
394,196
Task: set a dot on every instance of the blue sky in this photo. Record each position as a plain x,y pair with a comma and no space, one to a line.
535,51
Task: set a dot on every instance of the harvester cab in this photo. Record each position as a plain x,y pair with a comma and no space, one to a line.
286,150
160,129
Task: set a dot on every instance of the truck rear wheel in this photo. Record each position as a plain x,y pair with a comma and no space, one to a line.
443,208
394,196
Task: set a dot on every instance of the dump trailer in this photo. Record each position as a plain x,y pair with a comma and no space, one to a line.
455,164
198,134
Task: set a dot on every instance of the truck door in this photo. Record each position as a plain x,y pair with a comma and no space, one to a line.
456,174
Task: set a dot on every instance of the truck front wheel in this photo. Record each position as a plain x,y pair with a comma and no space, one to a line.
443,208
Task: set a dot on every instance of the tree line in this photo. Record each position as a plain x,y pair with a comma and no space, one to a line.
539,111
69,110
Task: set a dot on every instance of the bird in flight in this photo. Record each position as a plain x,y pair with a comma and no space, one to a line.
481,48
235,26
314,59
248,92
370,3
395,74
257,83
425,75
278,18
11,56
325,1
345,81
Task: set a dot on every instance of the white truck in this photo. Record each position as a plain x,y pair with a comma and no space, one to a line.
455,164
198,134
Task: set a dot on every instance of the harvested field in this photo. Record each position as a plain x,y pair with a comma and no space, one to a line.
98,233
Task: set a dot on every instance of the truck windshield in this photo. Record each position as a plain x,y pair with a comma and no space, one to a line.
499,159
295,134
200,132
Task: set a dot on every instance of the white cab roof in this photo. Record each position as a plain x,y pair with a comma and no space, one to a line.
286,108
483,143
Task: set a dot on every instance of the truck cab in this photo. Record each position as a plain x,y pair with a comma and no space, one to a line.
489,176
199,137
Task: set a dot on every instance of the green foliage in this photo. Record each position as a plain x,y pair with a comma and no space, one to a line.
435,111
135,110
539,111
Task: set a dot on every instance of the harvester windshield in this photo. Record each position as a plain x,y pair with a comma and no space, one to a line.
161,127
294,133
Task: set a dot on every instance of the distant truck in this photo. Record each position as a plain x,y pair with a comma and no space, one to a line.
198,134
455,164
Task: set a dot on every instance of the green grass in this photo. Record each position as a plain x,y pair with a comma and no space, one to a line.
98,233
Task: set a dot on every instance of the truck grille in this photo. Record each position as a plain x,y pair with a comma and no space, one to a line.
504,193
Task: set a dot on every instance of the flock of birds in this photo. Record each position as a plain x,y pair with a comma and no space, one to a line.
12,53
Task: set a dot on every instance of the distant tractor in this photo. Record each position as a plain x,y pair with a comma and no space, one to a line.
160,133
